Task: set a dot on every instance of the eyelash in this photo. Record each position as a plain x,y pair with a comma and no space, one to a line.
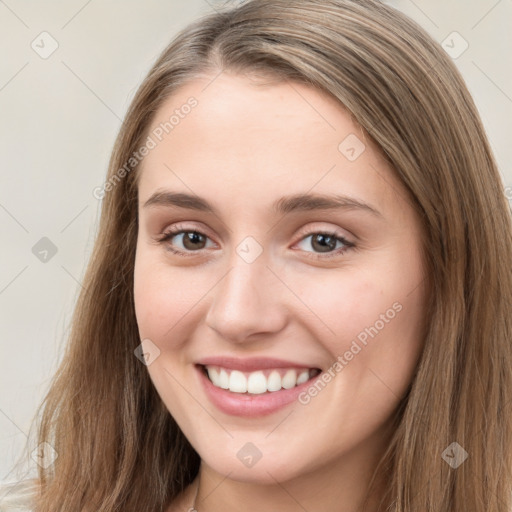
179,229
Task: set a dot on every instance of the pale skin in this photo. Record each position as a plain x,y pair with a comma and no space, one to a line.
242,148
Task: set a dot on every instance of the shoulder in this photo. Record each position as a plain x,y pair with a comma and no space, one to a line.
18,496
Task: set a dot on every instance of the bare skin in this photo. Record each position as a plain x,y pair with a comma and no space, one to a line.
242,148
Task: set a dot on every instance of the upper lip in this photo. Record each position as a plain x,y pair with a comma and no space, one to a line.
250,364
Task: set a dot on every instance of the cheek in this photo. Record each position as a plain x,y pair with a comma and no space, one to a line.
164,296
372,319
345,305
154,302
374,351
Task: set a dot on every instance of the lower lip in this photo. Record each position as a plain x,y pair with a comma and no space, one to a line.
250,406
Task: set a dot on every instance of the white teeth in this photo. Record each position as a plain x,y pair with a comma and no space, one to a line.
213,373
303,377
289,379
274,381
237,382
256,382
223,381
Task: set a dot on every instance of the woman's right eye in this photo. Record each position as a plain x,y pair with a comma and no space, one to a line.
191,240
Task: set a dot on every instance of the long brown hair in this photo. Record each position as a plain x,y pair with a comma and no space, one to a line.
120,449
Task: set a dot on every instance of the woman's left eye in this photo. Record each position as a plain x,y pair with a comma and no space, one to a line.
326,243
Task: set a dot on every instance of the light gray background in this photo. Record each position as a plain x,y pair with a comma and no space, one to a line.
59,119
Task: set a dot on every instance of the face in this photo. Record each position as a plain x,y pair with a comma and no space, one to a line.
307,309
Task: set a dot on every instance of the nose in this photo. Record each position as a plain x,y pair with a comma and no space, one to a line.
246,302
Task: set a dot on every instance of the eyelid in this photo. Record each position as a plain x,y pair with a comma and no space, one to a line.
179,228
311,230
305,232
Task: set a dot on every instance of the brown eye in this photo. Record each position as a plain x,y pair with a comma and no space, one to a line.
192,240
187,241
325,243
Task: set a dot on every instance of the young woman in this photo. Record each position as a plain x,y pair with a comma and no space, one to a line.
300,294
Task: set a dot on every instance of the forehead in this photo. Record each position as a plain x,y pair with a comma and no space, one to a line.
246,142
235,109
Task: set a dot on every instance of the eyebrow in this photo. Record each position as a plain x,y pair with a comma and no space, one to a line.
284,205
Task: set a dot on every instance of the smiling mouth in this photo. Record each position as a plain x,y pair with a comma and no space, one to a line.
258,382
